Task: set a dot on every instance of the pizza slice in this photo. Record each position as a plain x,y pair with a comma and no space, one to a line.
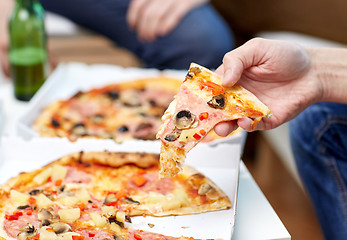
93,195
200,104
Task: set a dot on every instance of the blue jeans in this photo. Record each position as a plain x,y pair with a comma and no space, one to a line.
202,36
319,142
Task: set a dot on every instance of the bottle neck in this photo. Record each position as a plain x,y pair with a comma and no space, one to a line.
33,7
26,3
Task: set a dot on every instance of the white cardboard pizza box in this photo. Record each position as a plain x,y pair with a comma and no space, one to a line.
219,162
69,78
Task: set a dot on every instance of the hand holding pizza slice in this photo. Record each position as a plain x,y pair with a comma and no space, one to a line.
200,104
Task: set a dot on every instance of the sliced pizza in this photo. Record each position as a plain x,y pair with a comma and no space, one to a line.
200,104
92,195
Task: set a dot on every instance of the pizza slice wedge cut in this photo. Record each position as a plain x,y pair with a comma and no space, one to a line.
200,104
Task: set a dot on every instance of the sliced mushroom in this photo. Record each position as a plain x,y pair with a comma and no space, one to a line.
60,227
217,101
26,232
172,136
204,188
111,220
193,72
196,180
127,219
184,119
45,213
79,129
130,98
46,216
212,194
97,118
110,214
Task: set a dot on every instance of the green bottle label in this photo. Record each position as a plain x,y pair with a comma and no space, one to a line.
28,68
27,56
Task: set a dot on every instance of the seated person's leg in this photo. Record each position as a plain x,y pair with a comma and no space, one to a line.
201,36
319,142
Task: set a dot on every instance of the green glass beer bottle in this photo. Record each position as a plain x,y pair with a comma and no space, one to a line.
28,55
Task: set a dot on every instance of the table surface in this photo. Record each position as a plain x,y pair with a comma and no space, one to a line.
255,218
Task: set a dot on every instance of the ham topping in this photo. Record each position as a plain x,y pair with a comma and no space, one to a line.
75,176
12,227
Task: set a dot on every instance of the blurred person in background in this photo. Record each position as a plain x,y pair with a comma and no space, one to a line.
164,34
308,85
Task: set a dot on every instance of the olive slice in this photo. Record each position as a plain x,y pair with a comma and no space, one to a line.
217,101
55,123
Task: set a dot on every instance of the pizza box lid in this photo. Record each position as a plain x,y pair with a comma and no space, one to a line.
220,163
69,78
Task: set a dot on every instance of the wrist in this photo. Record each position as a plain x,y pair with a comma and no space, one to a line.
329,72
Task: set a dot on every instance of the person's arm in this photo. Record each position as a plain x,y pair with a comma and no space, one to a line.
6,7
329,66
154,18
286,77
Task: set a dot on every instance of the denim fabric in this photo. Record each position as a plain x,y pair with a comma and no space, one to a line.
319,143
202,36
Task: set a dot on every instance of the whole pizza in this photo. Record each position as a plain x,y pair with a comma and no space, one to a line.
93,195
119,111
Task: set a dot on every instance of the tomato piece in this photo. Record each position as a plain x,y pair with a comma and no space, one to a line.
14,216
137,236
141,171
203,115
29,212
82,206
215,88
32,201
77,238
139,180
115,204
202,132
36,237
120,195
58,182
197,136
91,234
